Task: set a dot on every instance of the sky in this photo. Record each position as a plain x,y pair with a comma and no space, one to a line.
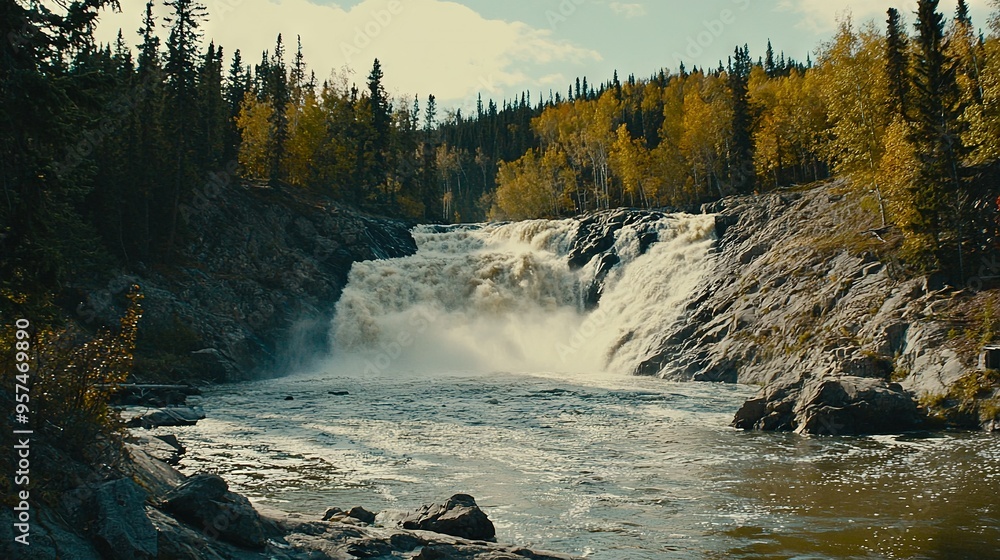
459,49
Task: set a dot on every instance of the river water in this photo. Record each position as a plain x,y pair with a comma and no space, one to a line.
610,468
475,367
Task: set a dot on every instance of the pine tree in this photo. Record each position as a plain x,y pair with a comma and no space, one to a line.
741,170
278,95
897,57
937,194
181,72
769,65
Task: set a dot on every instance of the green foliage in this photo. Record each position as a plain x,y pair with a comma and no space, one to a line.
971,402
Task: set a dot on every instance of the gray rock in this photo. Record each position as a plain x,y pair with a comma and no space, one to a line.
49,538
205,502
362,514
155,475
174,416
459,516
165,448
123,530
832,406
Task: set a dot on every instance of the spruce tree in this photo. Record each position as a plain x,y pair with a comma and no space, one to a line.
741,169
236,88
769,64
279,95
45,132
897,45
181,72
937,195
381,120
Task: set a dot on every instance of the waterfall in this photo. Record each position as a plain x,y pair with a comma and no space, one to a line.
503,298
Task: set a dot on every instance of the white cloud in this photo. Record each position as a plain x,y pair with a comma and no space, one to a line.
628,10
820,16
425,46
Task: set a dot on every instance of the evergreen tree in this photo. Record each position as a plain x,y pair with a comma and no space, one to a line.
44,172
236,87
181,71
278,94
937,194
897,57
770,66
381,114
741,170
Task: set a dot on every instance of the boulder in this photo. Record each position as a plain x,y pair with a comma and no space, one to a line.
174,416
854,406
459,516
831,406
123,530
165,448
362,514
206,503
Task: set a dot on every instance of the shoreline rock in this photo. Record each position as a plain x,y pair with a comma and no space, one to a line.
158,513
800,291
834,406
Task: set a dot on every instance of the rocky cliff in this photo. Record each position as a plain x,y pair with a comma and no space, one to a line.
253,288
806,300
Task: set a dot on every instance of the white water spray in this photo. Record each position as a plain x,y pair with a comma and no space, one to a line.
502,298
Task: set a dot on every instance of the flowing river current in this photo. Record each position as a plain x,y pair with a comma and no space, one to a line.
476,366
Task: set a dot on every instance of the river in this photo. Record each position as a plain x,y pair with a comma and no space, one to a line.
476,367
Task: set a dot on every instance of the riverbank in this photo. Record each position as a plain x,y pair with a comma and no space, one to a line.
149,510
806,298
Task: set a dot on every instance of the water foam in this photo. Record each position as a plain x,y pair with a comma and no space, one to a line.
502,298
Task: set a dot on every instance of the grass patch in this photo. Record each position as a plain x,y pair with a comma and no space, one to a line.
971,402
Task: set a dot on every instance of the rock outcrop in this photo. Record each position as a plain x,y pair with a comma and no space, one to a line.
804,299
205,501
253,287
157,513
832,406
171,416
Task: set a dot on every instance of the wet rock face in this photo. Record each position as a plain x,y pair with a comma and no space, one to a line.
795,294
835,406
596,234
254,286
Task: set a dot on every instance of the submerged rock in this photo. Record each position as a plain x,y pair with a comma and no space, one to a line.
832,406
460,516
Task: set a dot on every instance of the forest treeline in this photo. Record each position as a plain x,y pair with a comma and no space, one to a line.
109,150
909,112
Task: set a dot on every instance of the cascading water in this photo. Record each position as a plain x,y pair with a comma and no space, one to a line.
501,331
504,298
